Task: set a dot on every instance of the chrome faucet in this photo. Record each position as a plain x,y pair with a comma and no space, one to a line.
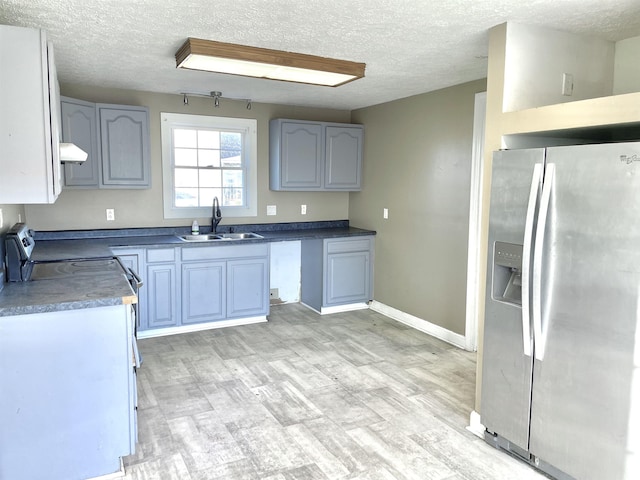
216,215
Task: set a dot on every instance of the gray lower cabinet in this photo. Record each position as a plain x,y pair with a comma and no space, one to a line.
337,271
248,287
68,402
116,138
315,156
200,284
162,290
204,290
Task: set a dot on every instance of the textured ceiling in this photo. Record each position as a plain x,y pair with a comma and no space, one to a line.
409,46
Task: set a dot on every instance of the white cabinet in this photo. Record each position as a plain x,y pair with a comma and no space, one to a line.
29,118
315,156
68,402
116,137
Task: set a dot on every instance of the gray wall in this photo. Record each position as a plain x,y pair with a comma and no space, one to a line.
417,164
85,209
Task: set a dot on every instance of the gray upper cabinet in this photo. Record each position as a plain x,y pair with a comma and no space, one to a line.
124,141
343,153
116,138
79,126
315,156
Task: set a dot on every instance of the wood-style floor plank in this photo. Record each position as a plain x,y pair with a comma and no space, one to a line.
348,396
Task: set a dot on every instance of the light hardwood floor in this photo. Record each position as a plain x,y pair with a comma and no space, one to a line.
345,396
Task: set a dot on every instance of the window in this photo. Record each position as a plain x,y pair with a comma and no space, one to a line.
205,157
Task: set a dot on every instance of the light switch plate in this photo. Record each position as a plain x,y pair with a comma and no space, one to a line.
385,213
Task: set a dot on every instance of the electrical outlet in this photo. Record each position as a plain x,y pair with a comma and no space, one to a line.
111,214
385,213
303,209
271,210
274,293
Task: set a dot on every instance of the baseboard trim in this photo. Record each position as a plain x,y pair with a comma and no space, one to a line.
161,332
419,324
475,424
338,308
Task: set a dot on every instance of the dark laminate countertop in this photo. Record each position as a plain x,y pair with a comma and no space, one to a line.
70,293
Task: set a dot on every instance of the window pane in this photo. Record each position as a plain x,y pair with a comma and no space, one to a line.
186,197
185,157
186,177
232,178
209,158
231,148
208,139
233,197
207,194
210,178
234,161
184,138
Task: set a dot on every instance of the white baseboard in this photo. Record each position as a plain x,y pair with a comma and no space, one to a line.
161,332
338,308
475,424
420,324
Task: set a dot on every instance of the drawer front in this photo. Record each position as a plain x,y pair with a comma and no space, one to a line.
217,252
161,255
360,244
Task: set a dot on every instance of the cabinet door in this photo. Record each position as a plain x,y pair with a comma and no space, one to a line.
124,140
203,292
29,116
247,287
161,296
79,126
348,278
301,156
343,168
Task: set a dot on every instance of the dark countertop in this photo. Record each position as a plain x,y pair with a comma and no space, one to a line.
39,296
68,293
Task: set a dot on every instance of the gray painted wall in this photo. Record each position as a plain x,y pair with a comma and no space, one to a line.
417,164
85,209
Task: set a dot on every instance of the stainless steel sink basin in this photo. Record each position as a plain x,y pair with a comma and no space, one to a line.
198,238
219,237
238,236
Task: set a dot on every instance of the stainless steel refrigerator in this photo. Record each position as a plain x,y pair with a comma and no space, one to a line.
561,351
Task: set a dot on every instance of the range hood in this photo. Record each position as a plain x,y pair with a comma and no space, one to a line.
70,153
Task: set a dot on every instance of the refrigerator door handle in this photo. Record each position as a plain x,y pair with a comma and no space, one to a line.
526,257
539,336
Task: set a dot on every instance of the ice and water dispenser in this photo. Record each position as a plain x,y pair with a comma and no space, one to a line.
507,273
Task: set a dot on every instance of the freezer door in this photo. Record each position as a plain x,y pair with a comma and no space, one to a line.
585,408
506,357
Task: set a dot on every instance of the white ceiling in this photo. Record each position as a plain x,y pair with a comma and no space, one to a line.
409,46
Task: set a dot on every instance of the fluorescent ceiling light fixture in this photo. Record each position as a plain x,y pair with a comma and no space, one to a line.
210,56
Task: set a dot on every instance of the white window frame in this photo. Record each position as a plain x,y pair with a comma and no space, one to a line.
248,126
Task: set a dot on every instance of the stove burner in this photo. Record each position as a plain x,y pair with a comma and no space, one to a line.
68,268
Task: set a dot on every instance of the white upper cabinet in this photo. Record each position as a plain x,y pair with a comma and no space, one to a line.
315,156
29,118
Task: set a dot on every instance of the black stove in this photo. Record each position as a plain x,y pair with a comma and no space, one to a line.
19,243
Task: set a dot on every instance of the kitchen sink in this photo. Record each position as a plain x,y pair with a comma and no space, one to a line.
238,236
219,237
